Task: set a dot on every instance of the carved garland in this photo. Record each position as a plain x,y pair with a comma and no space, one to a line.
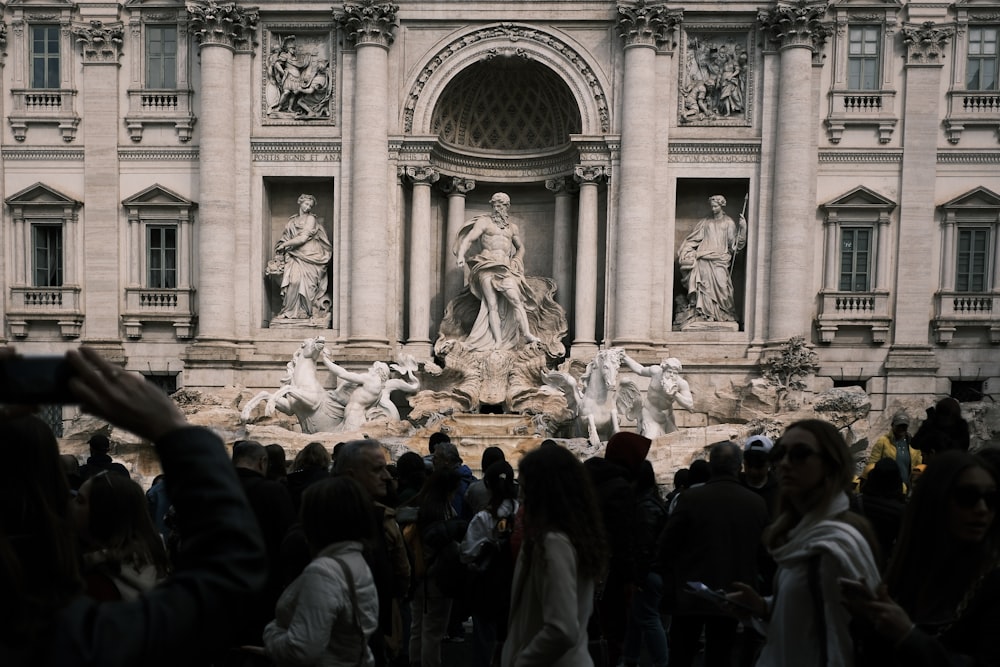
514,33
226,24
3,35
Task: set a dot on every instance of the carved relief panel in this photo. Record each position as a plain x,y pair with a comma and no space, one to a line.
716,76
298,81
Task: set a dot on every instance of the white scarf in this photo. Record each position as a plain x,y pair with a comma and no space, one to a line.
818,533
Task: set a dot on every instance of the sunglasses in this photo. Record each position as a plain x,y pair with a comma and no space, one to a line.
968,497
796,453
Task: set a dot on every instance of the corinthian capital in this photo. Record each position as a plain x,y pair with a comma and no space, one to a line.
101,43
925,43
648,24
797,23
222,23
369,22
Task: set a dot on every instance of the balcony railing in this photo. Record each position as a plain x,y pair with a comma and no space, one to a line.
30,305
856,108
857,309
971,108
38,106
966,309
169,306
163,107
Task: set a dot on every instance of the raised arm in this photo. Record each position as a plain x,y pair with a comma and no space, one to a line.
636,367
222,565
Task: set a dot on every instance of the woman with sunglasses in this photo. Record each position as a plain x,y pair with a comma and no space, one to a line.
940,603
815,542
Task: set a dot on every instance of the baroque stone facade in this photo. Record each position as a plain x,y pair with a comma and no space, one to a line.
153,152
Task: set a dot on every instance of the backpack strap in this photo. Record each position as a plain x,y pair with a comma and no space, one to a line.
354,607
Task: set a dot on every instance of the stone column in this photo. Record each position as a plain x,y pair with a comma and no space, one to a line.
585,306
642,28
456,188
830,282
914,284
103,296
798,31
562,240
217,27
369,25
244,98
418,339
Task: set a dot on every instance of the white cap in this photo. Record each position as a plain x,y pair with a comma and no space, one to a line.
758,443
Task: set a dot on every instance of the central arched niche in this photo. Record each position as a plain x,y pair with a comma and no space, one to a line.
506,104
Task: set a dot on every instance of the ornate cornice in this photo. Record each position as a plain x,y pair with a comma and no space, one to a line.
102,44
968,157
513,33
798,23
368,22
72,155
222,23
641,23
511,169
420,174
713,152
158,154
925,43
842,156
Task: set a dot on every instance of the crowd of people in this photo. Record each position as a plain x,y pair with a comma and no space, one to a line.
765,553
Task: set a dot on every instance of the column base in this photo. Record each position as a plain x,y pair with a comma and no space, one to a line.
583,350
421,350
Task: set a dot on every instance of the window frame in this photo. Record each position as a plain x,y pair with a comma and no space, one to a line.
47,58
875,61
853,106
995,27
149,227
148,57
985,271
54,275
845,228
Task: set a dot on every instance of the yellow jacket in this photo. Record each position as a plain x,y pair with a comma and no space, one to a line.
885,448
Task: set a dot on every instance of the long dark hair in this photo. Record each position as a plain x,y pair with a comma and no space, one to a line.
435,496
119,522
559,496
39,569
336,510
925,542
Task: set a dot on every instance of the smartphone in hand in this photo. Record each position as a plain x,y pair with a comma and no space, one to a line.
36,380
718,597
